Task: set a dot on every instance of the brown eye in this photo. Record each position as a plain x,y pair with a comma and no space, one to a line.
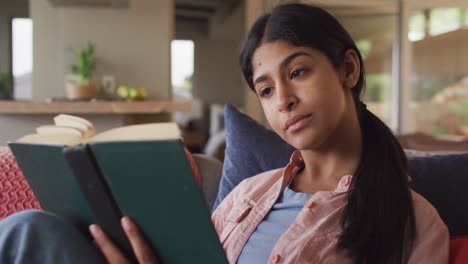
266,91
296,73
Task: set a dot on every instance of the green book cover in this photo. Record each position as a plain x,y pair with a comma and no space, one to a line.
53,183
153,183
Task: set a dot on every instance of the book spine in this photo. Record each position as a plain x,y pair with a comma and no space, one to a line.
94,186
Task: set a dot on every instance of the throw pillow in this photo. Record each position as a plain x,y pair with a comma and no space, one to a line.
250,149
459,250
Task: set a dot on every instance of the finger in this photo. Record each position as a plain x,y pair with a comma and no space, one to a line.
142,250
107,247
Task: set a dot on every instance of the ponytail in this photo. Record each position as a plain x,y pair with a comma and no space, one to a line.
378,222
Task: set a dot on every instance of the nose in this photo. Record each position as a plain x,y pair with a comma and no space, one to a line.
286,97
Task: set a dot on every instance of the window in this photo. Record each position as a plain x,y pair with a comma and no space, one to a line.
442,20
416,26
22,57
182,64
375,34
465,17
439,80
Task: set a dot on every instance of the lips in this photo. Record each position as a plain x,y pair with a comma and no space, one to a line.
295,120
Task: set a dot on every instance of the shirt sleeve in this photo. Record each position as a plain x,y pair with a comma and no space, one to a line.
432,236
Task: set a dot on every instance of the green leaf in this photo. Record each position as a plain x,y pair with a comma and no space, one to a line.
6,88
85,63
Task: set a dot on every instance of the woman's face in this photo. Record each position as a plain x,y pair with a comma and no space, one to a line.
301,93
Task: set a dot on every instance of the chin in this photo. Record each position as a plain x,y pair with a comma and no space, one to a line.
305,144
307,141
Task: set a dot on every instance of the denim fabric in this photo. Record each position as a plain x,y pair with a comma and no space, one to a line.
37,237
252,149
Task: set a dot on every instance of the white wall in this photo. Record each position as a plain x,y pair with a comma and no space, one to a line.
47,50
217,77
217,73
254,9
132,44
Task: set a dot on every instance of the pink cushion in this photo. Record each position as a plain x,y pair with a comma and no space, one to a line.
15,193
459,250
194,166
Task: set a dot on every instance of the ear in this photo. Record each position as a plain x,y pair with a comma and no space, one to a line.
351,69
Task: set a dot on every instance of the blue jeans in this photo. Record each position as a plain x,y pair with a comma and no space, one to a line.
38,237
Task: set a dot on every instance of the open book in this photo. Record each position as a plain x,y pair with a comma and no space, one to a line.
140,171
71,130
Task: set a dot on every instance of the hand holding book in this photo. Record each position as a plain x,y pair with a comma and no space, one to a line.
111,252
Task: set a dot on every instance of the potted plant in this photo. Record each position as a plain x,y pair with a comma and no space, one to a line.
6,89
83,86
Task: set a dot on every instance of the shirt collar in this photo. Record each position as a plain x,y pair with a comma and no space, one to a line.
296,162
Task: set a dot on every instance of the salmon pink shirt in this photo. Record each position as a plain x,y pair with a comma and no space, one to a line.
312,237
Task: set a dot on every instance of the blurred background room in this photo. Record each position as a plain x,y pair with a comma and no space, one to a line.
119,62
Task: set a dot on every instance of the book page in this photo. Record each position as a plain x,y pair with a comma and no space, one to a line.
52,139
54,130
153,131
76,122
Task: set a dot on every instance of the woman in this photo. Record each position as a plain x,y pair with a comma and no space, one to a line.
308,75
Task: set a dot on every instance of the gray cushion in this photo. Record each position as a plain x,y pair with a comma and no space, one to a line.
210,171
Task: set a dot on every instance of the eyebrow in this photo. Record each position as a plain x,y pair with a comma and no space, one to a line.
284,63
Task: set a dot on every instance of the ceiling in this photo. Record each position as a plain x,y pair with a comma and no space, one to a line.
201,15
90,3
189,9
204,9
363,21
204,16
14,2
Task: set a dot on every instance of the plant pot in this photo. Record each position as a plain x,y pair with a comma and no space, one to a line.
78,91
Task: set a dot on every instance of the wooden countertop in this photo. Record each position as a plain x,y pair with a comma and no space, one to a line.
94,107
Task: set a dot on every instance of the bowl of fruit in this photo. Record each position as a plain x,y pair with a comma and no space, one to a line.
131,93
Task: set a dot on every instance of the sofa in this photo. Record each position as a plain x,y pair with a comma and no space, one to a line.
15,193
440,179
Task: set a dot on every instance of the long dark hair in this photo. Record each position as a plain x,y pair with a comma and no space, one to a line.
378,221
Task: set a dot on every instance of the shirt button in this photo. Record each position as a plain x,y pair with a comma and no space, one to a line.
309,204
346,181
275,258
